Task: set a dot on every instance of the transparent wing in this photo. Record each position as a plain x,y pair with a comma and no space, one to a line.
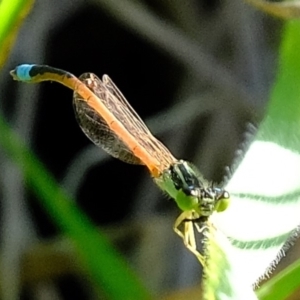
95,127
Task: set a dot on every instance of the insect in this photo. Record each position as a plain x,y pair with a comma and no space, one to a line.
110,122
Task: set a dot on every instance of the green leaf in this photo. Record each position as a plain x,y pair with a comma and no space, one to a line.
103,264
282,285
222,280
265,189
12,15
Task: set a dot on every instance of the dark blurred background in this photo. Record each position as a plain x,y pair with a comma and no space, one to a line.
196,71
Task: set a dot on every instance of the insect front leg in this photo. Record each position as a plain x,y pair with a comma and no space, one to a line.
185,221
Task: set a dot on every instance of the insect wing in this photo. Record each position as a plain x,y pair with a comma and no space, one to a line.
135,125
99,132
95,127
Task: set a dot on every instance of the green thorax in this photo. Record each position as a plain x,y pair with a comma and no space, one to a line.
190,191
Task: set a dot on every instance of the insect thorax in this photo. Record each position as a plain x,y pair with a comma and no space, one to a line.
190,191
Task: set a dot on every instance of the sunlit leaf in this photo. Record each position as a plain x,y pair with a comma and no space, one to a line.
12,15
263,217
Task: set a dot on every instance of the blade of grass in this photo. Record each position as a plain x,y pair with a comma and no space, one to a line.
102,262
282,285
12,15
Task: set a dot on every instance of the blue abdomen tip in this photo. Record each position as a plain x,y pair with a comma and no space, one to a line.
22,71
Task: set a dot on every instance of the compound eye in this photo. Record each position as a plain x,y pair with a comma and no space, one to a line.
225,195
223,201
194,193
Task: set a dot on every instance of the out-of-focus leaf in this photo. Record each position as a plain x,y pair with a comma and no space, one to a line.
103,264
284,10
282,285
12,15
